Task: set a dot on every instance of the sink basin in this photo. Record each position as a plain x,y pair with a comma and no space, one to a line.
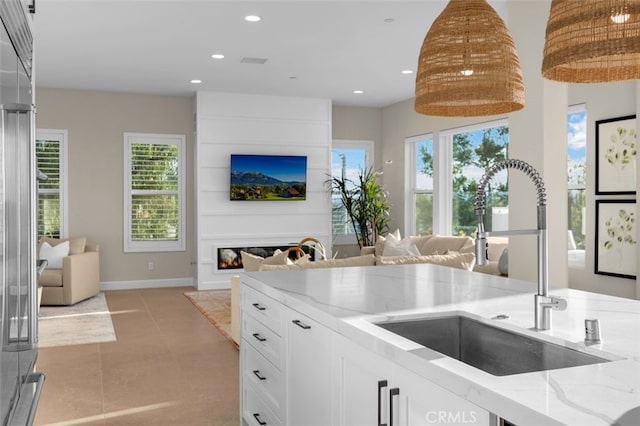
492,349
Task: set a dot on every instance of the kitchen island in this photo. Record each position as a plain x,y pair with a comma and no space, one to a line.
317,380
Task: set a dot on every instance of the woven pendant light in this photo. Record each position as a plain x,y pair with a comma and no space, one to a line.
592,41
468,64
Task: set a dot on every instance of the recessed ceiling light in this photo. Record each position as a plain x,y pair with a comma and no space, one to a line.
358,92
252,18
389,20
407,71
217,56
196,81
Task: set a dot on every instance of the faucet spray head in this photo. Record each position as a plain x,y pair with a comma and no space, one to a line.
482,248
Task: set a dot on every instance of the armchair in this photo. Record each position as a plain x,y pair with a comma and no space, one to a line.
79,277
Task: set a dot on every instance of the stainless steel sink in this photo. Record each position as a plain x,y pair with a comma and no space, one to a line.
492,349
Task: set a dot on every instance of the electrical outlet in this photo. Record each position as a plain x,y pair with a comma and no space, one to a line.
150,266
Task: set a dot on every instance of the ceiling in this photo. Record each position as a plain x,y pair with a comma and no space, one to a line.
324,49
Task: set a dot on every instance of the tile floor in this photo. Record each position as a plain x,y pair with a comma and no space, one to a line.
169,366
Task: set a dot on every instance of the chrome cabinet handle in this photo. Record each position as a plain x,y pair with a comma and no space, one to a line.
259,307
301,324
381,384
257,417
259,337
392,392
257,374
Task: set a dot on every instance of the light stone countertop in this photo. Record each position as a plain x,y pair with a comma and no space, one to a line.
348,300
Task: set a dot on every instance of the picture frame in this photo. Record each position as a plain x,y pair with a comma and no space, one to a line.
615,251
616,146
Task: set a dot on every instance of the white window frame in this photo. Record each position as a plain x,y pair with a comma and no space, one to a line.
61,136
442,168
579,265
368,147
411,191
154,246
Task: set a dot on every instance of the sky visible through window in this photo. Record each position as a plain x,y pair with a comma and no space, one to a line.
355,160
577,149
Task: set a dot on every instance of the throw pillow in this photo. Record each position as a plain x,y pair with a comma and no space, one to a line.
76,244
251,262
460,260
54,254
380,242
503,262
394,247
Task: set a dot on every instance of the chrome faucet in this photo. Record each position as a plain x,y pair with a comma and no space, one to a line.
543,302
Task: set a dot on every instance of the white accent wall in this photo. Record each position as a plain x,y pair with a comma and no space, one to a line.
228,124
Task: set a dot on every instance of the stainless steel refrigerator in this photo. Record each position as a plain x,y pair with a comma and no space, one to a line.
19,383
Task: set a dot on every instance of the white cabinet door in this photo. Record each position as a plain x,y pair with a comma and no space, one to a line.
364,381
376,391
420,402
309,371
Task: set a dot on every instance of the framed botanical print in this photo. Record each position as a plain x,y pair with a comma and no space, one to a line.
615,252
616,156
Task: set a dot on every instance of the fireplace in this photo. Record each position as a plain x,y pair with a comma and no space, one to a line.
229,258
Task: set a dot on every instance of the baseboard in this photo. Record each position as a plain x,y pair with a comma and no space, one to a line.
140,284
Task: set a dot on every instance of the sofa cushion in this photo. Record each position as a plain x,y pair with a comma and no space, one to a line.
51,278
54,254
454,260
252,263
76,244
366,260
404,247
439,244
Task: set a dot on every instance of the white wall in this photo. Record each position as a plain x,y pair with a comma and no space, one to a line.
606,100
252,124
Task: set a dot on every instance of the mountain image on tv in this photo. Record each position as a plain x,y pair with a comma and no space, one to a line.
268,177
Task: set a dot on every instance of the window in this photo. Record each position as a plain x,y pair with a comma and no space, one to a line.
154,192
576,181
420,183
442,179
347,159
51,155
473,150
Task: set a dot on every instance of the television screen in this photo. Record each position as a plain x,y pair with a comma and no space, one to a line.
268,177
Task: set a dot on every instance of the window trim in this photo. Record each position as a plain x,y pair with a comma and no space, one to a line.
155,246
410,181
572,109
62,137
368,147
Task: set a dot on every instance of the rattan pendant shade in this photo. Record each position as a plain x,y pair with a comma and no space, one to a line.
592,41
468,64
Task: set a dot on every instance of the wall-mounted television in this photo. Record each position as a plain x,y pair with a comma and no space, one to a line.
268,177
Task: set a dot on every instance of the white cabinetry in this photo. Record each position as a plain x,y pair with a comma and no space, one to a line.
309,370
261,348
295,371
376,391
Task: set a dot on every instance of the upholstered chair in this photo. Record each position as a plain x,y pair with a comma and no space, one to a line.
72,273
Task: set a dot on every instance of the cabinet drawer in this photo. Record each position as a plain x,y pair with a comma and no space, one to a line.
264,308
265,341
255,411
264,377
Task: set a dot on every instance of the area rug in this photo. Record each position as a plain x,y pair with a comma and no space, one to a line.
216,306
85,322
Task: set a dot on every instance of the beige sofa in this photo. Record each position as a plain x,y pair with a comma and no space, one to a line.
457,252
79,275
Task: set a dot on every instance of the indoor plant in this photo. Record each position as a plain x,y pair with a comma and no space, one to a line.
366,205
